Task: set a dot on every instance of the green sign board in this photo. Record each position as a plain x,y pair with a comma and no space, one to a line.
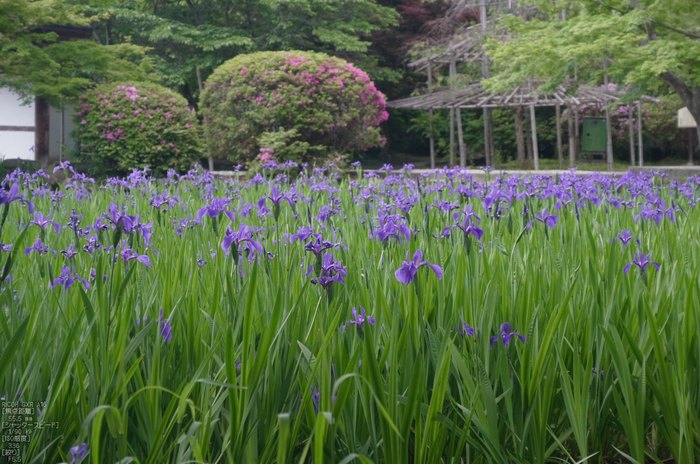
594,136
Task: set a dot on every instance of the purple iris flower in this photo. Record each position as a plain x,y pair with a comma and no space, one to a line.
331,271
360,319
14,195
70,252
62,165
42,221
545,218
407,272
68,278
166,330
464,329
40,248
78,452
468,226
6,248
275,197
392,225
315,399
650,211
302,234
642,261
243,235
216,207
128,254
625,237
119,218
357,164
506,334
319,245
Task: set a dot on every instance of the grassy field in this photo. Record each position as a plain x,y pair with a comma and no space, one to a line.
182,321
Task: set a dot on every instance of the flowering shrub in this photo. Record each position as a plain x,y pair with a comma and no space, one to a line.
119,127
322,104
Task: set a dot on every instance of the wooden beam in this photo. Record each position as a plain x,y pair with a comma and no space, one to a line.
16,128
535,150
453,73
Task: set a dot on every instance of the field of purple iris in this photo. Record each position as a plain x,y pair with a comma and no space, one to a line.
301,316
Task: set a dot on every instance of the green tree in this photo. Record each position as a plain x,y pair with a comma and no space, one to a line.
189,38
645,43
33,62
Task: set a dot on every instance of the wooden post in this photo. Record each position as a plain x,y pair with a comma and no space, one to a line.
560,149
639,134
519,135
452,137
609,150
432,141
630,123
608,125
41,131
577,135
460,140
572,139
453,71
690,147
485,73
535,150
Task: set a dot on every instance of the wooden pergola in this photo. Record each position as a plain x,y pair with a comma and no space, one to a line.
474,96
467,47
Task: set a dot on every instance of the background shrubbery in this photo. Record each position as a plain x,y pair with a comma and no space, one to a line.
311,104
122,126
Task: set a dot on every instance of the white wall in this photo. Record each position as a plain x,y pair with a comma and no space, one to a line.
13,113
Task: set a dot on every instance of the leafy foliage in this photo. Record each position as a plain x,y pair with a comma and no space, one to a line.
190,38
330,104
642,41
120,127
34,63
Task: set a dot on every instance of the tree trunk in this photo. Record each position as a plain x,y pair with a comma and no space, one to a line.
41,131
519,135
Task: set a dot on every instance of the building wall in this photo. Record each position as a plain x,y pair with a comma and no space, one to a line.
19,144
15,144
60,127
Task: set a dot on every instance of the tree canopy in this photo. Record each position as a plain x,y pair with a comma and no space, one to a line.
33,62
643,43
189,38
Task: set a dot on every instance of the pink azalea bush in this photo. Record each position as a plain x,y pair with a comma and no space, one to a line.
331,105
124,126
